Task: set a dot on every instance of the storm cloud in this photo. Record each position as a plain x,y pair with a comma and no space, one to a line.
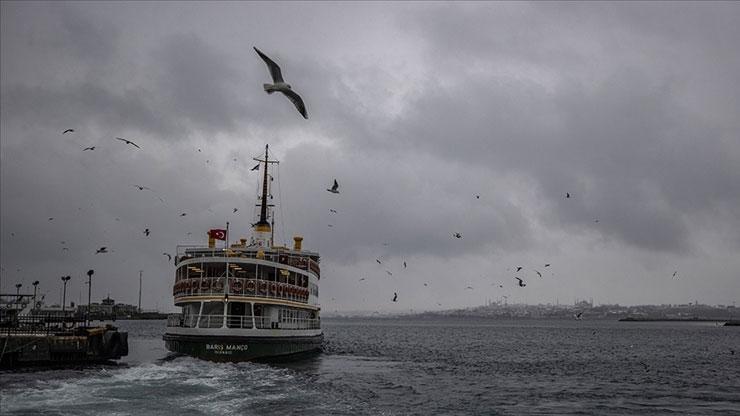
435,118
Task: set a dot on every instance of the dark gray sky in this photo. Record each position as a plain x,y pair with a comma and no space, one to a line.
632,108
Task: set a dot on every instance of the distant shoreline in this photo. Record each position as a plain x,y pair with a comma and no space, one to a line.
631,319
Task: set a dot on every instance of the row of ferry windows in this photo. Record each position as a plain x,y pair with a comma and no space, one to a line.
240,270
245,309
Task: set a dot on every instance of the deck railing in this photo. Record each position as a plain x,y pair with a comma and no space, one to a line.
216,286
240,321
297,261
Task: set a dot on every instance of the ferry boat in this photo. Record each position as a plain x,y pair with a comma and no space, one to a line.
246,301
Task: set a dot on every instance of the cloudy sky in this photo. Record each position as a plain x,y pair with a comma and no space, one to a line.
435,119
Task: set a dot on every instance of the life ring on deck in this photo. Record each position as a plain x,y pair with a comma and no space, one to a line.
263,287
273,288
236,285
205,285
219,286
250,286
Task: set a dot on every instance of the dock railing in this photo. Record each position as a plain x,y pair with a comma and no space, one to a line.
40,324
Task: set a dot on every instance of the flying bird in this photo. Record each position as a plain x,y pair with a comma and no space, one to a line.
334,188
675,273
426,284
395,296
521,282
280,85
235,209
183,214
547,265
89,148
141,187
333,210
469,287
538,273
128,142
389,273
68,131
378,260
330,225
169,256
404,264
257,166
519,268
457,235
362,279
567,194
51,219
146,232
578,315
102,250
477,197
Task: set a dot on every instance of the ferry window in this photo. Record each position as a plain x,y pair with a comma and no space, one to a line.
214,269
213,308
191,308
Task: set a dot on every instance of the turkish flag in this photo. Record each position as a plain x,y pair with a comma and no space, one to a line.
217,234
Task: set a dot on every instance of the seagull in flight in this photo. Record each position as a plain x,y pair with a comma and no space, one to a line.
102,250
68,131
89,148
183,214
280,85
519,268
235,209
404,264
389,273
521,282
257,166
395,297
469,287
538,273
169,256
146,232
141,187
334,188
361,279
675,273
332,210
378,260
128,142
547,264
578,315
457,235
567,194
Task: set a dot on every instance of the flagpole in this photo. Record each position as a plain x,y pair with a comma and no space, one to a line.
226,283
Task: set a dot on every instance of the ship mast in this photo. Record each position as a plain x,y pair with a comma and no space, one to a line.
262,228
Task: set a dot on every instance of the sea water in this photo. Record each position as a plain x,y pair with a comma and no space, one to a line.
412,366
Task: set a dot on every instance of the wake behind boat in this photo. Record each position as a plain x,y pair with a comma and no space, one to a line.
249,300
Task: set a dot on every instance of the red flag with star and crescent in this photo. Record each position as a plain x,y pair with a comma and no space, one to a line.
217,234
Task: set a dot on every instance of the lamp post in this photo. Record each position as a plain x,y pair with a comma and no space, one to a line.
65,279
18,291
35,284
89,292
